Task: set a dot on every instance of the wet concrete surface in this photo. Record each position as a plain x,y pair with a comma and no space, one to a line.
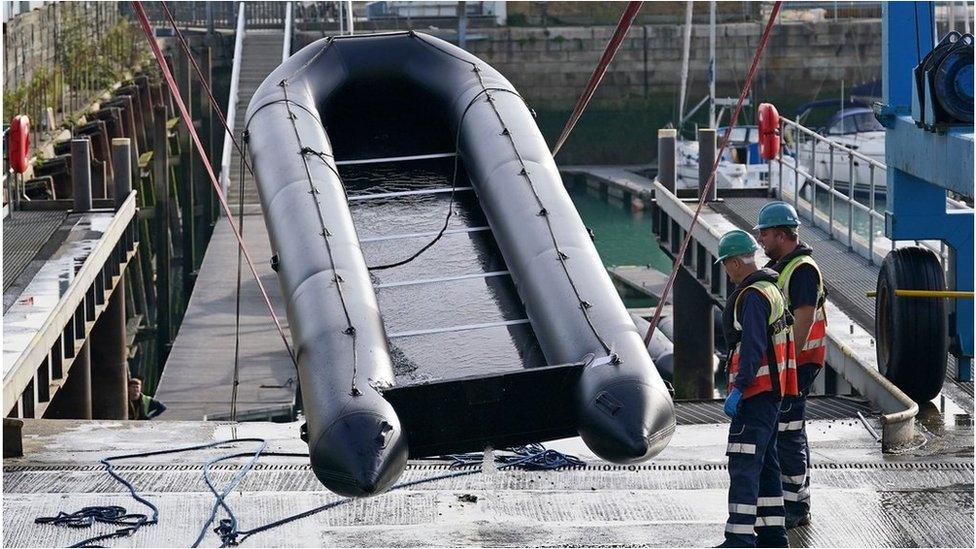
861,497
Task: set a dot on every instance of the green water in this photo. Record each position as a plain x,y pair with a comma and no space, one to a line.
622,236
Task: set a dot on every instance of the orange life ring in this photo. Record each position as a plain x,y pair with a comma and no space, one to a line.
769,139
18,143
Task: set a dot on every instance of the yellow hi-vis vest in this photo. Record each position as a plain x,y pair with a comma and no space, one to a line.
814,351
780,338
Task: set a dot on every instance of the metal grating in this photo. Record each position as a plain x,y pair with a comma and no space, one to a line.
856,507
818,407
24,234
837,263
430,465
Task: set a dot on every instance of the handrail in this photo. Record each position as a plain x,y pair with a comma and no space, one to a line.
811,207
818,137
235,78
286,47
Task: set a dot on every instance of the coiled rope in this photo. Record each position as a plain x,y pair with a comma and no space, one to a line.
532,457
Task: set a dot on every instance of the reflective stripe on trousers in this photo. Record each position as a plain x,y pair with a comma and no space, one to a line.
756,503
794,450
790,425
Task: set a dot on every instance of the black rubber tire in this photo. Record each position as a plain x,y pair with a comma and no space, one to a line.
912,333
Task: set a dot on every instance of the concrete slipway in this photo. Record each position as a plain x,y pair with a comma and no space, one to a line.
922,496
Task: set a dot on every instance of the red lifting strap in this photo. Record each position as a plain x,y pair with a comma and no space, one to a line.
185,115
601,68
760,48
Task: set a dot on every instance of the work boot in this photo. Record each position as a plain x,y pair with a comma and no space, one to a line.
793,521
729,543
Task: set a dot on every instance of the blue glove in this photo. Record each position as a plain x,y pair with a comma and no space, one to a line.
732,403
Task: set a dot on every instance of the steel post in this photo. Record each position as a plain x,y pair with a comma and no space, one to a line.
122,160
73,400
109,360
186,185
462,18
161,239
666,158
81,174
694,339
706,160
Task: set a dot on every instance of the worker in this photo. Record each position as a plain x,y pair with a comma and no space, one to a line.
141,405
760,371
801,282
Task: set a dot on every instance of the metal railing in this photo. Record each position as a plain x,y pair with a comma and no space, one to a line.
808,144
217,15
286,47
232,97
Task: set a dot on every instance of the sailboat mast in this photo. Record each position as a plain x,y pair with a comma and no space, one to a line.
684,64
711,64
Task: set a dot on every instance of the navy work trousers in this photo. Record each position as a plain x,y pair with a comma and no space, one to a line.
756,512
794,449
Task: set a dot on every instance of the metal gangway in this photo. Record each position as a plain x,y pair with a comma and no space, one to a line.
841,224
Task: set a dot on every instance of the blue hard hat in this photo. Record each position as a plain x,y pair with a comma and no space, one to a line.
777,214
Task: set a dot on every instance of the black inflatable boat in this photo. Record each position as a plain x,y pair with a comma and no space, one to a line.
394,99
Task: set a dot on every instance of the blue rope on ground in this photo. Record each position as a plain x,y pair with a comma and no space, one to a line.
533,457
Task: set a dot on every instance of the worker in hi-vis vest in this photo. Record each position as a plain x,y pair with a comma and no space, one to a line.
802,284
761,371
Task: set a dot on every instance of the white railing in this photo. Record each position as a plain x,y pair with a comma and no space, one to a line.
286,46
235,79
806,140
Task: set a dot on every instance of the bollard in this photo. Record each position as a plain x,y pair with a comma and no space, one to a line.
13,437
666,158
122,161
706,159
81,174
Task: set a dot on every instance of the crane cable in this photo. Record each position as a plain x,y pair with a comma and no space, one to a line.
185,115
747,85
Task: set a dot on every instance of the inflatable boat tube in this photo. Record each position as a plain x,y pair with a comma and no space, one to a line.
402,94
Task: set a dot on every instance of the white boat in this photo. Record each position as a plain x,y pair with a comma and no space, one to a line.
740,166
856,129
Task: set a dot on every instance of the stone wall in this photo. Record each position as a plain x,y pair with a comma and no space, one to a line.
551,66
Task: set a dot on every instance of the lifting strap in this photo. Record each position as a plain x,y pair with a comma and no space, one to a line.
626,18
747,85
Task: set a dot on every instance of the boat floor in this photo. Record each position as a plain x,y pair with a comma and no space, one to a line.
453,311
467,364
